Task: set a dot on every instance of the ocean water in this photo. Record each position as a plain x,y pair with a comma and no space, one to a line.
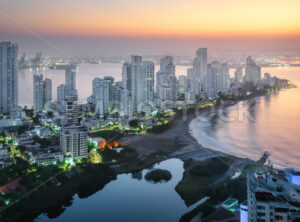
268,123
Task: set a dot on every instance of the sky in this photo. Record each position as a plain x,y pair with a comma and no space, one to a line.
149,26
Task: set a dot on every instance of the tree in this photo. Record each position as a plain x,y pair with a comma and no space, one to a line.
36,119
20,166
50,114
94,157
134,123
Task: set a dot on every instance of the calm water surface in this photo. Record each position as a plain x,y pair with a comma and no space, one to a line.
275,126
130,199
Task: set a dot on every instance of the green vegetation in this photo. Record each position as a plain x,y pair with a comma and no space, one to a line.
197,183
19,168
205,209
158,175
214,167
108,134
126,154
236,188
198,178
94,157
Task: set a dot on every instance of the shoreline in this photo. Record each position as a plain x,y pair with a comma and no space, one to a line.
175,141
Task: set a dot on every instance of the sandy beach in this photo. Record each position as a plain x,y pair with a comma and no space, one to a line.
176,141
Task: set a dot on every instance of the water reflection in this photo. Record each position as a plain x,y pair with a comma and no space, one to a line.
275,129
130,198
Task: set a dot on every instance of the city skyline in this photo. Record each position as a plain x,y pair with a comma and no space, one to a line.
153,111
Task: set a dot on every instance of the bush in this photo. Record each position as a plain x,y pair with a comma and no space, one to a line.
158,175
215,166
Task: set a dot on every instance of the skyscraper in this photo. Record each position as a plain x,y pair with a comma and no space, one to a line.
238,75
136,84
126,76
225,78
253,72
8,76
71,108
42,93
70,78
47,92
101,95
214,78
200,68
193,83
147,81
142,93
61,91
182,85
38,93
167,66
127,88
166,80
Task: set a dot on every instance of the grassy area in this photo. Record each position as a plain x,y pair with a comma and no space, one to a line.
127,154
236,188
108,134
199,176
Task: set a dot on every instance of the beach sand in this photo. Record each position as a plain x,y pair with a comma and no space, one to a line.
176,141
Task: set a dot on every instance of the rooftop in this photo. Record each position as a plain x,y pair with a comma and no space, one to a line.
11,186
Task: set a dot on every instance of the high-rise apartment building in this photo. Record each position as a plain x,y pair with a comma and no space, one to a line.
73,141
142,92
214,77
47,92
70,80
71,108
8,76
225,78
253,71
166,81
61,92
182,85
101,95
273,195
42,93
200,68
127,89
238,75
38,93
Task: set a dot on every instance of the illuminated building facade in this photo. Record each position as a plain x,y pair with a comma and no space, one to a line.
73,141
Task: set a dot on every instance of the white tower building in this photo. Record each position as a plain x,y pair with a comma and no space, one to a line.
38,93
8,76
73,141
